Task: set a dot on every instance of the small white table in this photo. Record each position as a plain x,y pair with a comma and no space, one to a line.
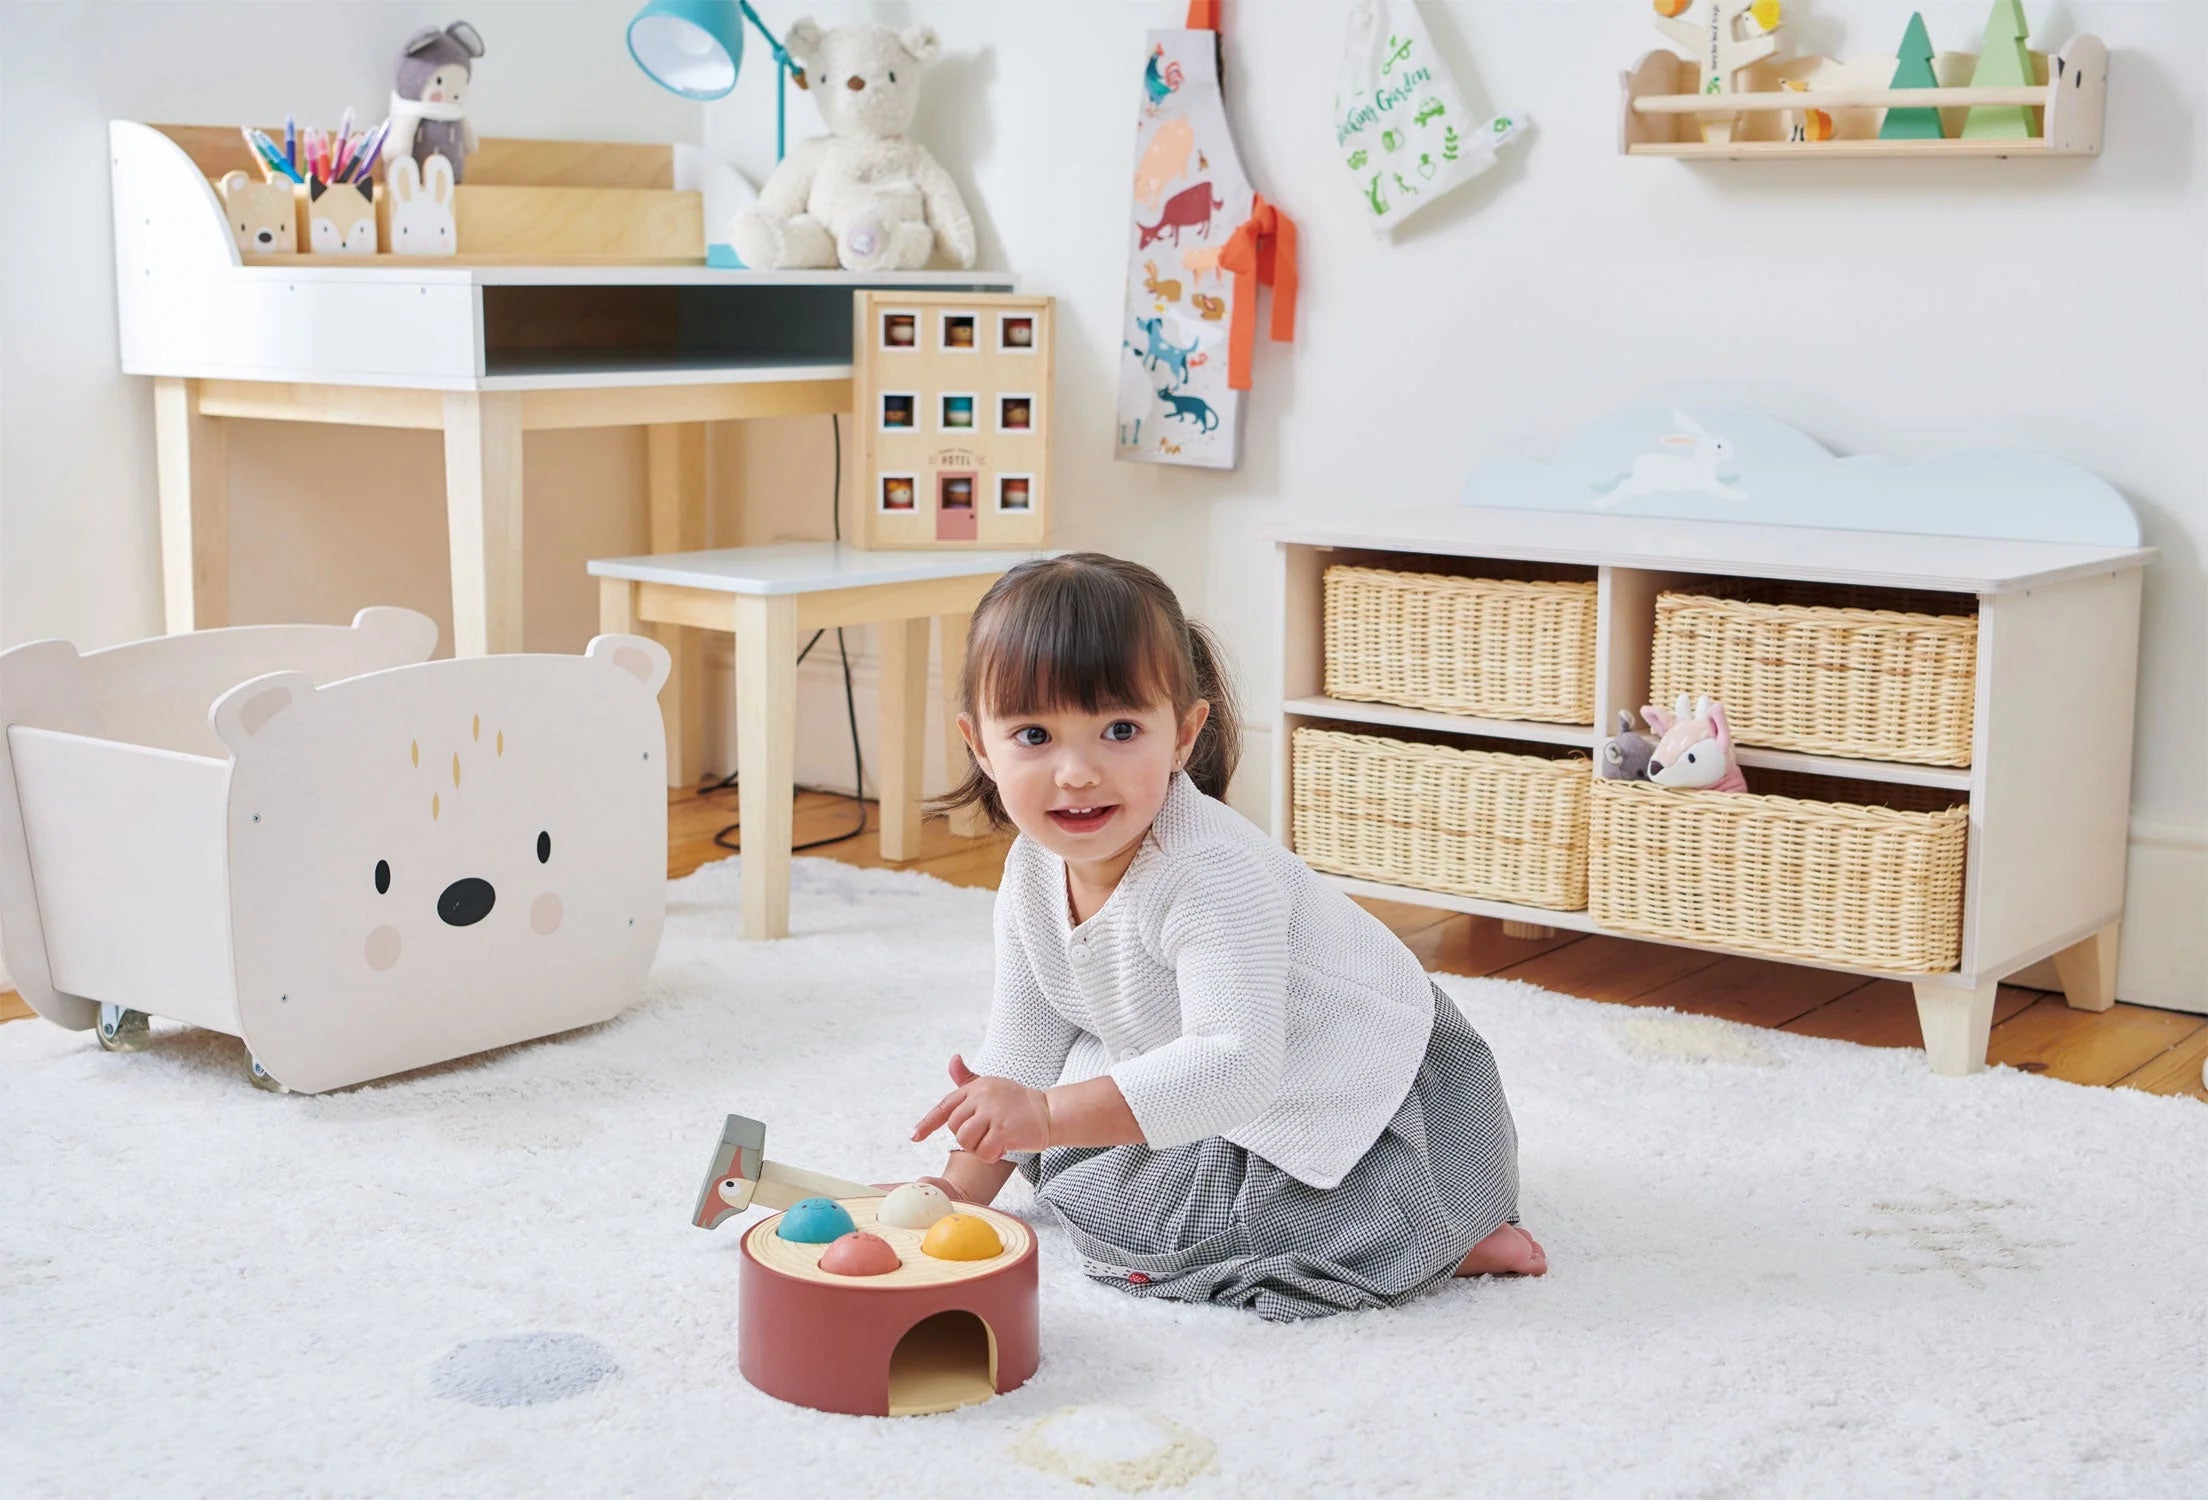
768,597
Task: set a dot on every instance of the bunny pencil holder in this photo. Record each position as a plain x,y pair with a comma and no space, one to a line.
1695,747
1625,754
420,213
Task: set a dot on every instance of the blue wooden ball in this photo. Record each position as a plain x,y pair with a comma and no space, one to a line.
816,1221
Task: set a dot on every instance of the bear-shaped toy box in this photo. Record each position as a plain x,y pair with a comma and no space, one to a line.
374,866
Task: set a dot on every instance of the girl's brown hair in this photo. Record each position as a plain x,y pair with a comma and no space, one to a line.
1092,633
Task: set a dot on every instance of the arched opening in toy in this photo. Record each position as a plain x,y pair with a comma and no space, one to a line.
945,1361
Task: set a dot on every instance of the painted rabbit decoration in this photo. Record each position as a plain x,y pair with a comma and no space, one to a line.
1694,749
1625,754
1672,471
421,207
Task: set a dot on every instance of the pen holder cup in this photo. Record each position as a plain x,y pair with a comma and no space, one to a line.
337,220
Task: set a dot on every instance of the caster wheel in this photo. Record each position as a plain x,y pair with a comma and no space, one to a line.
262,1078
123,1030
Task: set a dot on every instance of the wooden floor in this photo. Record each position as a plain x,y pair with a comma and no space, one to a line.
2129,1046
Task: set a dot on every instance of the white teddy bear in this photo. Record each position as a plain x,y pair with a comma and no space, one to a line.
862,196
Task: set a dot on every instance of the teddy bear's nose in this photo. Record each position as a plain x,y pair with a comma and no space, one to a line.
854,83
466,902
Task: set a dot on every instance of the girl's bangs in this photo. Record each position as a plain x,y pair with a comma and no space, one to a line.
1087,650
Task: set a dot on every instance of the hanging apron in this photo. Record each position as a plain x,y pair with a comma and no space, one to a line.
1199,244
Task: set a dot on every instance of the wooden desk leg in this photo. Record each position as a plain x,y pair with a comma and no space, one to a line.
967,822
483,517
616,606
1956,1025
675,478
766,738
192,459
903,743
2088,970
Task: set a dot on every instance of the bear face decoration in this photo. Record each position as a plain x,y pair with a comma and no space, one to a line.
416,853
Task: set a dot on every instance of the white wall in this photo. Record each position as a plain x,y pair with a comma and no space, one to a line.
1879,306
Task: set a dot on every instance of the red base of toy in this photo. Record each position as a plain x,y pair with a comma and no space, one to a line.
870,1346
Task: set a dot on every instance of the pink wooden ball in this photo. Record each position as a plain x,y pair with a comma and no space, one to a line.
859,1254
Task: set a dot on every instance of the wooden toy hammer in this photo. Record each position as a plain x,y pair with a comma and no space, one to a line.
742,1176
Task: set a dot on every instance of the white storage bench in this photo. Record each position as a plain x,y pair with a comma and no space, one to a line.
310,837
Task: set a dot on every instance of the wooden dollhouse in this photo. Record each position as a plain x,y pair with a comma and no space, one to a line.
953,398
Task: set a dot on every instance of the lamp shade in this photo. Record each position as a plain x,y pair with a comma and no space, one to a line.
689,46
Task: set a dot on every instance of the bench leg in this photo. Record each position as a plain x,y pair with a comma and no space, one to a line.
675,479
2088,970
967,822
903,740
483,517
766,740
192,467
1956,1024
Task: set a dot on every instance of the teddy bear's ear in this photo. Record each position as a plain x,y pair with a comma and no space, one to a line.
920,41
803,42
250,707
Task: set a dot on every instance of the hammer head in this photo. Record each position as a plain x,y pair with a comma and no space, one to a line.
735,1173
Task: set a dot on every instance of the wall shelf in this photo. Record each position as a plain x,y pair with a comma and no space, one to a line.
1661,113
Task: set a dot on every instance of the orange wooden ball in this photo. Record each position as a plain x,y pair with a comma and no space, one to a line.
962,1237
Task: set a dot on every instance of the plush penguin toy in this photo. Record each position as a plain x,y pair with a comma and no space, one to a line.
429,102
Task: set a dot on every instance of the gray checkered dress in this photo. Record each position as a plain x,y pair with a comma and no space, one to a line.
1211,1222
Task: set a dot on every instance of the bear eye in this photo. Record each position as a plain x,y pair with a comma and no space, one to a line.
383,877
544,848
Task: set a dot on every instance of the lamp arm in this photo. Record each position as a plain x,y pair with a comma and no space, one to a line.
784,70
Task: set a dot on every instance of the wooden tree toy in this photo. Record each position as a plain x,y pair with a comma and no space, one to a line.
893,1318
2004,61
1710,33
1913,70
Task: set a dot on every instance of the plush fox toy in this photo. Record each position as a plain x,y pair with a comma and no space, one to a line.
1694,748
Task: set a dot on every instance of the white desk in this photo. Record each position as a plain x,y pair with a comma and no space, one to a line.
768,597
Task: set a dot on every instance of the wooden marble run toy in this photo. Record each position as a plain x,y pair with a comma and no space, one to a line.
871,1303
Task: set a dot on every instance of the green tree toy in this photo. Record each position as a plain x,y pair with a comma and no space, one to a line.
2003,62
1914,71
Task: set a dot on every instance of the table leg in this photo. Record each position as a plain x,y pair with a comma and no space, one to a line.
675,479
192,458
903,743
616,606
483,515
766,738
967,822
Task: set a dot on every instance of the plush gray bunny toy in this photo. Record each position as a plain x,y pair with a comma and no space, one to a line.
429,102
1625,754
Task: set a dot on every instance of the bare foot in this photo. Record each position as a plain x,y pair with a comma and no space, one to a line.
1509,1251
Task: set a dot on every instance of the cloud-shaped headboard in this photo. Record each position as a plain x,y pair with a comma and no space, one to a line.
1721,463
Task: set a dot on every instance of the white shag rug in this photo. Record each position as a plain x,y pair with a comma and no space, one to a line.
1782,1266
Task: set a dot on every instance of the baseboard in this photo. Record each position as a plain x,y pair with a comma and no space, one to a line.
2163,958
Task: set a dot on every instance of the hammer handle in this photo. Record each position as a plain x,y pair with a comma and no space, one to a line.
781,1186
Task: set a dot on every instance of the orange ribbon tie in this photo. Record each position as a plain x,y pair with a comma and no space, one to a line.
1260,253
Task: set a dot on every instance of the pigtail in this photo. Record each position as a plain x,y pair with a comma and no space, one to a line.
1218,747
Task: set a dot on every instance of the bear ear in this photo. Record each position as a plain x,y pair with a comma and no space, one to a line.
803,42
410,635
250,707
641,657
920,41
232,181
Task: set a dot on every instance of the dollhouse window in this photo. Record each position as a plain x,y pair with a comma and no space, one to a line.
1016,493
900,331
900,411
958,332
958,413
900,492
1016,333
957,492
1015,412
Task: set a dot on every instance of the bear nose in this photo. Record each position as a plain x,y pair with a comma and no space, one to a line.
466,902
854,83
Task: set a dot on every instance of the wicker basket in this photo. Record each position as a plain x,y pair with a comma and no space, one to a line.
1480,823
1868,684
1837,883
1494,648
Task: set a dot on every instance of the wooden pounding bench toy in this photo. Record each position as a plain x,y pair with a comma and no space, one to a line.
871,1303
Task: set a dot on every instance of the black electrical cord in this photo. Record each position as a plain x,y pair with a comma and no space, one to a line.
723,838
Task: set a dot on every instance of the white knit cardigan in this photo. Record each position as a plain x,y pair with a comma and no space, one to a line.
1226,988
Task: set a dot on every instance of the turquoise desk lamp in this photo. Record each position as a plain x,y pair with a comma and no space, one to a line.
693,48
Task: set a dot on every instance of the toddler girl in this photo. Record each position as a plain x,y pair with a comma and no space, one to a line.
1228,1081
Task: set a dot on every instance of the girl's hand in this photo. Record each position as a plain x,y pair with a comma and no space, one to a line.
989,1116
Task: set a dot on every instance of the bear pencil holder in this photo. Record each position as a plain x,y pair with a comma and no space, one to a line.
356,860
